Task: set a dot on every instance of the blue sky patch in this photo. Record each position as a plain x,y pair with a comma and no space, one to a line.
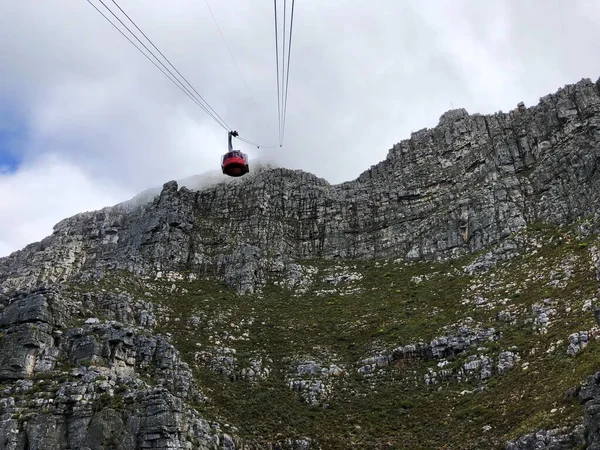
9,160
13,136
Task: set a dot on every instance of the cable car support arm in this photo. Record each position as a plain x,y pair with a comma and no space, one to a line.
231,133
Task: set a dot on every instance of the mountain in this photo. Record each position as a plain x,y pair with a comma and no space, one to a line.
446,298
195,182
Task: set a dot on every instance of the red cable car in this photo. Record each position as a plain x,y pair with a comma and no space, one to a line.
234,163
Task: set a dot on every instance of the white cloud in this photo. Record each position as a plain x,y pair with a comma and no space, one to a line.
363,76
37,196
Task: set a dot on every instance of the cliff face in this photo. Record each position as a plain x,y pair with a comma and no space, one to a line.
457,188
112,327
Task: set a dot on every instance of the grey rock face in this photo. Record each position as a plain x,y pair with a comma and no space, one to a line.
506,361
121,308
489,260
30,325
556,439
590,397
466,338
153,419
109,382
104,401
466,184
577,342
313,381
441,347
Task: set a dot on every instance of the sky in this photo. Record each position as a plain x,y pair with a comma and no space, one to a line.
86,121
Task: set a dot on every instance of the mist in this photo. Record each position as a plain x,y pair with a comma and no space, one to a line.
86,121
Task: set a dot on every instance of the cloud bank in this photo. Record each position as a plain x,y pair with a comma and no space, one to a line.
97,123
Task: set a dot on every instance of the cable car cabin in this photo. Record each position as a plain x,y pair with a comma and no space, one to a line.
234,163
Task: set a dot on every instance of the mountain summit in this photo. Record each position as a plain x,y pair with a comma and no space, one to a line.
446,298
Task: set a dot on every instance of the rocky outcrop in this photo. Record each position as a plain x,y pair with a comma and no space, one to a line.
152,418
441,347
590,397
456,188
82,364
556,439
124,389
31,325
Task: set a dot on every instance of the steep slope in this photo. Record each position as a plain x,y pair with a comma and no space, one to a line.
372,316
469,353
467,183
195,183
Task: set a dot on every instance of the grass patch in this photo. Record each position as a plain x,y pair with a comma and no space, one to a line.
393,304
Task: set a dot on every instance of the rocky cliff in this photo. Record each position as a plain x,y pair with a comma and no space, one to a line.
459,187
424,283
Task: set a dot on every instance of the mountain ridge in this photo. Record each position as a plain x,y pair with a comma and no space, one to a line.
454,189
445,298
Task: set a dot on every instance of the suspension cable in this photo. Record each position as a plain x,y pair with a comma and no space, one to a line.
174,81
223,124
226,44
283,81
287,78
173,78
167,59
283,63
239,70
255,144
277,64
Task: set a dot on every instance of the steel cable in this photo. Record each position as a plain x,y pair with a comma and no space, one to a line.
173,78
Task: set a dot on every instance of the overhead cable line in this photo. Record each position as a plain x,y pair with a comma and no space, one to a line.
226,44
239,70
174,81
283,63
206,108
283,77
177,81
167,59
277,64
287,78
255,144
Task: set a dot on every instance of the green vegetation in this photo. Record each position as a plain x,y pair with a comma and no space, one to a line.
390,305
